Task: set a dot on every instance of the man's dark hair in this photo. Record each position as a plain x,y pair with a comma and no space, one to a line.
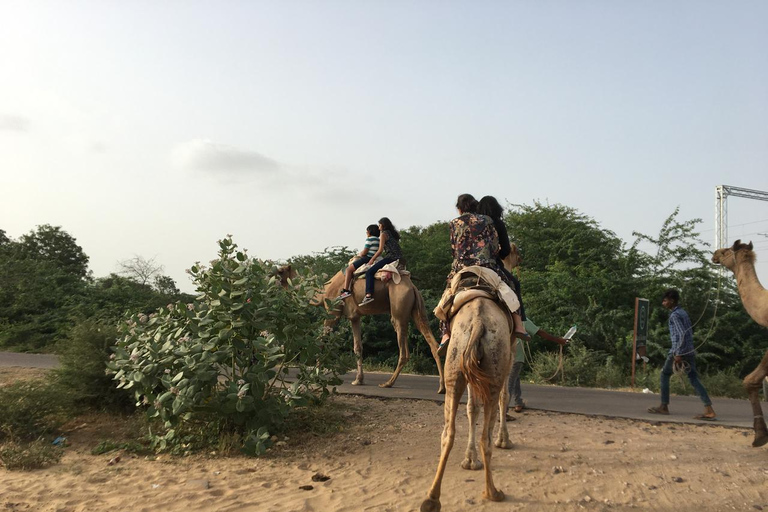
672,295
373,230
467,203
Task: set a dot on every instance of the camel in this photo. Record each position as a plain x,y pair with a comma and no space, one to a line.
740,259
479,356
402,301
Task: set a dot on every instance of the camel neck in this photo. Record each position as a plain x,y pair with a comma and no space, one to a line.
751,291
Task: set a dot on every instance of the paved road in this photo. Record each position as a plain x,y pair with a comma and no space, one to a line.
28,360
587,401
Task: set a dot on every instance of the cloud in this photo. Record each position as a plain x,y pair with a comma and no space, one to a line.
13,123
208,156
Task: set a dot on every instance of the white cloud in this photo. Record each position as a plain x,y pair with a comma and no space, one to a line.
13,123
208,156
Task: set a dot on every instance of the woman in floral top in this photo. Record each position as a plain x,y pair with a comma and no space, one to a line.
474,242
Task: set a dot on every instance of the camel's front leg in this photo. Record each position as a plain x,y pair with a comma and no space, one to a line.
452,397
357,335
752,383
470,456
401,328
486,447
502,438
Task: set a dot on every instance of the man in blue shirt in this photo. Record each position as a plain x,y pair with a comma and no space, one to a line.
681,355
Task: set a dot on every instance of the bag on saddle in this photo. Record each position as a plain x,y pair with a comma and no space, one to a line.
471,283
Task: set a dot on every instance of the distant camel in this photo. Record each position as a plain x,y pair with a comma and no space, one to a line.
402,301
479,355
740,259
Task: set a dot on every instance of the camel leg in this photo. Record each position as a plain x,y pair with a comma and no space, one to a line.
752,383
470,456
452,397
419,316
486,447
401,328
502,438
357,335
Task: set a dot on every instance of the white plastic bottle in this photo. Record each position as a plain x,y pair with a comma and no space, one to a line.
570,332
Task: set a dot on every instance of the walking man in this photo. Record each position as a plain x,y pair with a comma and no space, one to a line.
681,355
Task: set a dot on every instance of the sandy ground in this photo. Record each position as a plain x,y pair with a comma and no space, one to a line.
384,458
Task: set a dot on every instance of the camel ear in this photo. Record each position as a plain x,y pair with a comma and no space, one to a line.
736,245
750,245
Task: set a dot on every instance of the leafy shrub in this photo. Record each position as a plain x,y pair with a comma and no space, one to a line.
83,361
29,410
219,365
26,456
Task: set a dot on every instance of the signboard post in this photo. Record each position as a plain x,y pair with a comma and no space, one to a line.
641,333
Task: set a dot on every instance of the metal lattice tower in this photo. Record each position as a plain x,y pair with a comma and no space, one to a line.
721,209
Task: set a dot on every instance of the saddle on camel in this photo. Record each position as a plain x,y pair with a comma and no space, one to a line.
472,283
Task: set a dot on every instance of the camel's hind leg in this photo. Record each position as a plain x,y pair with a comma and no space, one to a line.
357,335
401,328
752,383
452,397
419,317
502,438
486,447
471,461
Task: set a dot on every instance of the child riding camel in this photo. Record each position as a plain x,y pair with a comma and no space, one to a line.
370,248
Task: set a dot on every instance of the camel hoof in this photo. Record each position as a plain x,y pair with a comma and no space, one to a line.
387,385
504,444
357,382
430,505
496,495
441,390
472,465
761,433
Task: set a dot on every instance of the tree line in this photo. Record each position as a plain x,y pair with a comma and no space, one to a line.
573,272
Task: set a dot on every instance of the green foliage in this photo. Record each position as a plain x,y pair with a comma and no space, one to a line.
324,264
83,361
29,410
428,254
219,365
107,445
26,456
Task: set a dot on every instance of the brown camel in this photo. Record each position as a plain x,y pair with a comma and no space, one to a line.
480,355
740,259
402,301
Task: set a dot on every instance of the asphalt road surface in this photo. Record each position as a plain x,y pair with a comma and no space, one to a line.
586,401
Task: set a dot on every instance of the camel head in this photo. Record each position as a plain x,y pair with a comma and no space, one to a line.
284,273
729,257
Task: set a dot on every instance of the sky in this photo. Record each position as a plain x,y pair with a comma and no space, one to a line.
157,128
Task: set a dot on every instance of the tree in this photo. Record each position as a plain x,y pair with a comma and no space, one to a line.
54,245
140,269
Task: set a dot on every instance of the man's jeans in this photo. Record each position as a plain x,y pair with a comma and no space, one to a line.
515,393
667,371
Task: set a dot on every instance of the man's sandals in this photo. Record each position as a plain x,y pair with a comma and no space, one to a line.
658,410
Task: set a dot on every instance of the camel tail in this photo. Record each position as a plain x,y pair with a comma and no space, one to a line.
479,381
419,315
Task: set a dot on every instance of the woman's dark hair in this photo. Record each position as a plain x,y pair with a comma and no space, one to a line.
490,206
373,230
388,226
467,203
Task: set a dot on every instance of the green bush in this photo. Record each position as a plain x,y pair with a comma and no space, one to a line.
29,410
83,361
26,456
219,366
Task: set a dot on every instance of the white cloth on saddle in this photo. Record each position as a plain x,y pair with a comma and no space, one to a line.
505,294
389,267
